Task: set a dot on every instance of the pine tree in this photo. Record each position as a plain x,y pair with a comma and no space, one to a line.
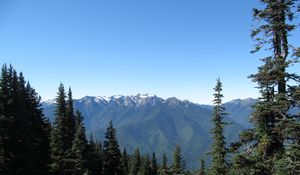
79,147
70,119
164,170
218,150
145,168
268,142
136,162
125,162
39,129
95,160
24,131
5,155
202,168
59,135
69,132
154,167
112,154
290,162
100,159
178,165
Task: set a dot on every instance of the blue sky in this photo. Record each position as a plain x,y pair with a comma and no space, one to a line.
110,47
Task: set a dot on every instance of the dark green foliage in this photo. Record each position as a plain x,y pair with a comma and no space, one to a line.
71,125
136,162
4,121
62,134
164,169
178,165
154,166
270,141
24,136
125,162
95,160
218,150
184,122
79,148
58,145
202,168
111,153
290,162
145,168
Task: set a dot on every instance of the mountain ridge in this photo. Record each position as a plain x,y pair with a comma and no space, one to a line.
147,95
152,123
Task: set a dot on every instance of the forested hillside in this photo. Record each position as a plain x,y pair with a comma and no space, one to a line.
155,124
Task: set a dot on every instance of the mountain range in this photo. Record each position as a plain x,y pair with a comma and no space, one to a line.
156,125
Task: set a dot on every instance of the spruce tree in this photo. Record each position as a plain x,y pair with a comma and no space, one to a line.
269,141
164,170
69,132
112,154
100,159
95,160
154,166
136,162
125,162
145,168
178,165
202,168
70,119
24,134
218,150
290,162
39,129
58,144
4,121
79,147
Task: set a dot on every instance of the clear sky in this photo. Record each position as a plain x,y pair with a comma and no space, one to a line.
111,47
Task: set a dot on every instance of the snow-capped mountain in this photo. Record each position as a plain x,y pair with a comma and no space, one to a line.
138,100
152,123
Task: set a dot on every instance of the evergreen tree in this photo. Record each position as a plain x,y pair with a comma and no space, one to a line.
94,162
202,168
59,147
79,147
69,132
269,141
24,138
178,165
99,152
39,129
71,124
145,168
125,162
290,162
112,154
154,167
136,162
164,170
218,150
4,121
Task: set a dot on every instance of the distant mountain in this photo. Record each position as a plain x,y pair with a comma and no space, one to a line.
155,124
238,110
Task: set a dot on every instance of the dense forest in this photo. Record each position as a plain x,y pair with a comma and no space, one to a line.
30,144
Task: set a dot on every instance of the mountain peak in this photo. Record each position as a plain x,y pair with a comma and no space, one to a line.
153,122
132,100
243,101
145,95
144,99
